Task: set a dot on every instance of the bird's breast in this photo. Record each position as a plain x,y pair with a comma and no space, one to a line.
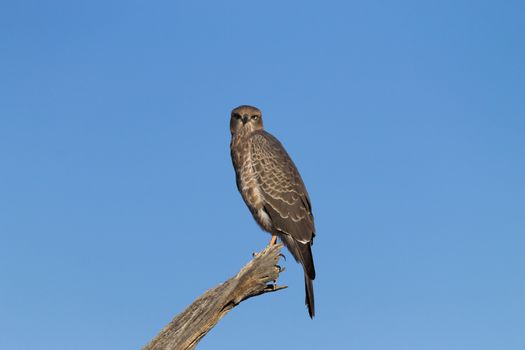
247,181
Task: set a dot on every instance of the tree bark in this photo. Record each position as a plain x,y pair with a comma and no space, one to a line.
188,327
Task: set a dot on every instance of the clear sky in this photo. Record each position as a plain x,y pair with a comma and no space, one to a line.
118,203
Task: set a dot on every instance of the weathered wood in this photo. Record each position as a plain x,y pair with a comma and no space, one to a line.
188,327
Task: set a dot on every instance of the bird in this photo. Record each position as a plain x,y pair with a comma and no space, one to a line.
273,190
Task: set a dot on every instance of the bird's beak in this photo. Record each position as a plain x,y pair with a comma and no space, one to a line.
244,118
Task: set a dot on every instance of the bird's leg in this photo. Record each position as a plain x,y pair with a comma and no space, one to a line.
272,242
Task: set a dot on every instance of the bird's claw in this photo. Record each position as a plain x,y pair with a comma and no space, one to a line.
279,268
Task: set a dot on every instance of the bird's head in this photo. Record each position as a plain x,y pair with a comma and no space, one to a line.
245,118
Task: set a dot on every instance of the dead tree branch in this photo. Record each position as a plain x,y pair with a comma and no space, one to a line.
187,328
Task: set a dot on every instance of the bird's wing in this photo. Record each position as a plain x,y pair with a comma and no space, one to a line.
286,199
286,202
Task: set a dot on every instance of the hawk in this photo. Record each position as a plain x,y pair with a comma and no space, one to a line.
273,190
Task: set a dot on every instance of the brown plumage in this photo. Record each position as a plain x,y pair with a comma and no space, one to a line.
273,190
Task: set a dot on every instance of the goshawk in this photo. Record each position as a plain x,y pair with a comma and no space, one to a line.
273,190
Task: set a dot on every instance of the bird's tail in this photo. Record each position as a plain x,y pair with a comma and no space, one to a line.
309,299
302,252
309,275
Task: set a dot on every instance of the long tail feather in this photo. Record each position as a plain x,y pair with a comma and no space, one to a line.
309,299
303,254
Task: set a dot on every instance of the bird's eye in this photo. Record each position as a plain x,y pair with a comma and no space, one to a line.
237,116
255,117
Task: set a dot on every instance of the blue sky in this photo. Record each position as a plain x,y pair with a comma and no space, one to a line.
118,203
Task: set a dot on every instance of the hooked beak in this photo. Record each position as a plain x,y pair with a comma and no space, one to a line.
244,118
